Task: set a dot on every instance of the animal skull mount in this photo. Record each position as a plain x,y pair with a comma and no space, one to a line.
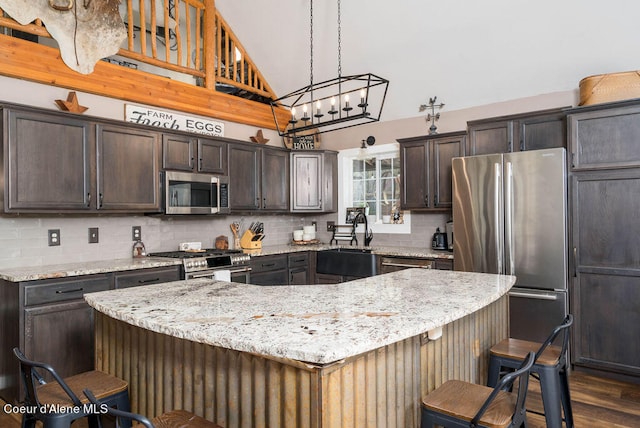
85,31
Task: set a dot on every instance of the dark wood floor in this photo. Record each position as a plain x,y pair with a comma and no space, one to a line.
597,403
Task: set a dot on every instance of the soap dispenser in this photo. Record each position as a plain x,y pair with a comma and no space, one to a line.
139,250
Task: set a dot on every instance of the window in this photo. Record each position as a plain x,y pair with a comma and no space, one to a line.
370,178
376,184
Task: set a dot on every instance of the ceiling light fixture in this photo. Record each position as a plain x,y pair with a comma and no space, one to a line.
333,104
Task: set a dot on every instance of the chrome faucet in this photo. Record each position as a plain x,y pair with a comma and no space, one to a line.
368,234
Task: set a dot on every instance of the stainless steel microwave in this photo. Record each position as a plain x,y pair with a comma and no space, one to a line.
192,193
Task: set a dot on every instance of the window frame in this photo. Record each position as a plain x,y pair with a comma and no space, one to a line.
345,192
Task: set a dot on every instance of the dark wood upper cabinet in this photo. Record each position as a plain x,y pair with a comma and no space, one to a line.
529,131
425,170
48,162
189,153
490,137
59,162
128,169
258,178
605,138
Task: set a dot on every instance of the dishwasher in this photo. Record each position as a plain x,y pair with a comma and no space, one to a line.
394,264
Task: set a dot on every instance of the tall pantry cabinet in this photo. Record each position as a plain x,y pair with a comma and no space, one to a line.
604,157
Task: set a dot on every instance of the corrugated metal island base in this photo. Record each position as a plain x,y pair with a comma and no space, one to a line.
380,387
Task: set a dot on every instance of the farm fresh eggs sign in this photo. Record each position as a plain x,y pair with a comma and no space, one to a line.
168,120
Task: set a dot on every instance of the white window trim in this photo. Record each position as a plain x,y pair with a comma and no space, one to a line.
345,172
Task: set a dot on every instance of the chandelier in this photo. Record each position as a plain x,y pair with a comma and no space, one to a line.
338,103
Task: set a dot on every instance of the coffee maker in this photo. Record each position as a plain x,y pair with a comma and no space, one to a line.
449,230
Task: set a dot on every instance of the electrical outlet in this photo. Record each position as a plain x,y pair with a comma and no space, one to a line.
136,233
93,235
54,237
331,225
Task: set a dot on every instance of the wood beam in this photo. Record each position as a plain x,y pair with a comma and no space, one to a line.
30,61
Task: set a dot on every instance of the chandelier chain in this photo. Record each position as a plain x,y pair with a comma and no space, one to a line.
311,41
339,41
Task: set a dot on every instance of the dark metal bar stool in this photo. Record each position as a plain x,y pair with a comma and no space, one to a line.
56,403
461,404
550,368
172,419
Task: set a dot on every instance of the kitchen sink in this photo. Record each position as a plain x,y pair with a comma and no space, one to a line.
353,262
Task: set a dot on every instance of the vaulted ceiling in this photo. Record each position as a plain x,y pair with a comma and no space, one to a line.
466,52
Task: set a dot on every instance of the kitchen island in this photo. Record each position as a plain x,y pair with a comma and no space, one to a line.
360,353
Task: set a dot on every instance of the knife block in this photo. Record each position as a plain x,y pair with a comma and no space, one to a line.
248,243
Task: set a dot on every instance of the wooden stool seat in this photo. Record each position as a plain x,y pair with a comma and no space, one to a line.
551,367
518,349
456,403
102,384
57,404
182,419
462,401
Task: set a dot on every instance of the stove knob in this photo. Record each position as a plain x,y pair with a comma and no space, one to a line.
189,264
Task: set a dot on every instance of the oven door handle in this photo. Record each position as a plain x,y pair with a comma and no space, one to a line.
240,270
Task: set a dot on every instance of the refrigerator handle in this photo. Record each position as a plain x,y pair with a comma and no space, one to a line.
496,209
508,221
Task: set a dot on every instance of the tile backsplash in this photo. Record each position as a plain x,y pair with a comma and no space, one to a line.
23,240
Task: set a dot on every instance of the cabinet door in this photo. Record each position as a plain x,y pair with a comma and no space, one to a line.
543,132
306,181
50,162
212,156
443,150
275,180
330,182
128,169
606,282
414,165
491,137
244,177
298,276
605,138
178,152
61,335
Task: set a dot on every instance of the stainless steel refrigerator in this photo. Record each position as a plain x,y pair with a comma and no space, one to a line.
510,216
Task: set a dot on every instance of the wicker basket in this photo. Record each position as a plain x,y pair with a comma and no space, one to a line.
604,88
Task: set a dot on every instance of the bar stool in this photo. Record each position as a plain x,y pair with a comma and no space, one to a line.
56,404
172,419
461,404
550,368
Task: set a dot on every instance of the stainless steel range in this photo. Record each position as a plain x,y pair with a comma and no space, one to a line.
205,263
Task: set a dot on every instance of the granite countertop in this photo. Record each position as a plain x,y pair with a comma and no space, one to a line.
33,273
416,252
318,324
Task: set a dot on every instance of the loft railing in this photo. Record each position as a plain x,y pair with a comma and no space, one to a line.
187,38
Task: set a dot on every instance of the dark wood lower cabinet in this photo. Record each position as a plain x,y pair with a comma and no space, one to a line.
269,270
50,321
60,334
